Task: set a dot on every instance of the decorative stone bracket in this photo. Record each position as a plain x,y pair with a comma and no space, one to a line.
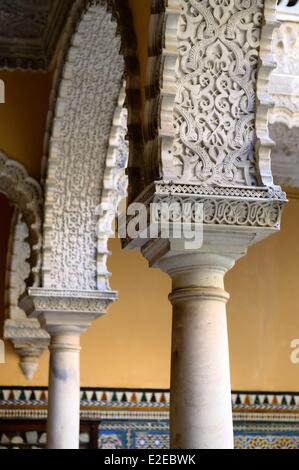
23,262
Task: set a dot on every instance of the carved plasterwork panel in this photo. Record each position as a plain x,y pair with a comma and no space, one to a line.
208,92
25,193
18,268
115,185
28,339
215,102
88,95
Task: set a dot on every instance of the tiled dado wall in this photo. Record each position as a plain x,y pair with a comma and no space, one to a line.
138,419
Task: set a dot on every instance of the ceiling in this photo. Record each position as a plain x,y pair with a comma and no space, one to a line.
30,31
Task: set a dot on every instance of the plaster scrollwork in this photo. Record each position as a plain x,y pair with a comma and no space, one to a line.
88,93
85,156
28,339
208,106
230,212
115,186
215,101
212,97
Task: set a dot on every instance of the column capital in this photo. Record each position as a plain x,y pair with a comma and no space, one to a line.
220,249
66,311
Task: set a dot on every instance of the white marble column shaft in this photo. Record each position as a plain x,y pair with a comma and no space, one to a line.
201,410
64,391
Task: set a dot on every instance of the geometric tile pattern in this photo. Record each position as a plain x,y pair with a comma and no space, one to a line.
266,442
133,435
140,398
138,419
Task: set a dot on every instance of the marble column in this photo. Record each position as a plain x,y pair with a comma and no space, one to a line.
201,410
65,315
206,145
63,425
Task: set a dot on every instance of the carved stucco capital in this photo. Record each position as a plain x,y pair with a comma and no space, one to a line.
70,310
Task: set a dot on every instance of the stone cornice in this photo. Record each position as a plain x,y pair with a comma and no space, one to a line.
90,303
288,10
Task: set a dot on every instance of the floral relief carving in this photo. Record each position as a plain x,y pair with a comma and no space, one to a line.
215,101
89,90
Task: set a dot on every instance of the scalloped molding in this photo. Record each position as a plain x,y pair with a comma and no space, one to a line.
26,335
26,194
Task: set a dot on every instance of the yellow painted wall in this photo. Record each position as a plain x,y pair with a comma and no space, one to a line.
23,117
264,310
130,347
